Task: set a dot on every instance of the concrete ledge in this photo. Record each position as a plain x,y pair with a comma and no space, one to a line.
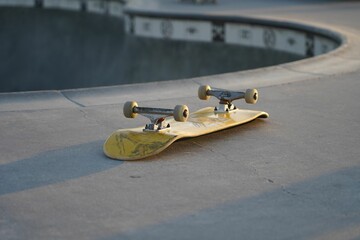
33,101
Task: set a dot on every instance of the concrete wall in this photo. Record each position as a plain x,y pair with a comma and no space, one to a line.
168,59
58,49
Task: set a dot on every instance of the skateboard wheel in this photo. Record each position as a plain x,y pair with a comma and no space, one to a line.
129,109
251,96
181,113
202,92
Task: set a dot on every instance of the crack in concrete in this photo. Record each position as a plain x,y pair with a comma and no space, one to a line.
71,100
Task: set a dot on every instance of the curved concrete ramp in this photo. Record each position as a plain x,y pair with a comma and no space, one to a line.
294,175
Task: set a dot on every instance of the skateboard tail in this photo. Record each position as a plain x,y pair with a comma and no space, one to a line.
263,115
134,145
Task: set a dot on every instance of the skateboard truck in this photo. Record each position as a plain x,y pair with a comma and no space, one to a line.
157,116
226,97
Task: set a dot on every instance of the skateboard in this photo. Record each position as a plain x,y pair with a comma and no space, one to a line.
169,125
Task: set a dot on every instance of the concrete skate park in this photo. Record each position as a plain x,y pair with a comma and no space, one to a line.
68,67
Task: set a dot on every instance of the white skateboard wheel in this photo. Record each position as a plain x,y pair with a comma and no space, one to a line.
129,109
251,96
202,92
181,113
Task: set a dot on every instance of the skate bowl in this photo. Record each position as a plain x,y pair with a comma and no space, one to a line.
52,48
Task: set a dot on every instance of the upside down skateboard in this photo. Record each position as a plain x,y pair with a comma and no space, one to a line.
169,125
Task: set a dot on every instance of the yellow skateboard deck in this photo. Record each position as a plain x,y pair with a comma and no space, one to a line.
135,143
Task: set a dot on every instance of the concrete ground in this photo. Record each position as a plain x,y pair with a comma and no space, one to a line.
295,175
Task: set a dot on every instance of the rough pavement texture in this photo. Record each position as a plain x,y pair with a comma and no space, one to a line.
295,175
